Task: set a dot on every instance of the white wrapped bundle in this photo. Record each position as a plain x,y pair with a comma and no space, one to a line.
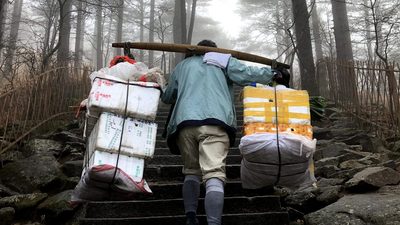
109,176
127,71
139,137
110,95
131,166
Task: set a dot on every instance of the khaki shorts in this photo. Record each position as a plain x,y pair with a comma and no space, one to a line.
204,150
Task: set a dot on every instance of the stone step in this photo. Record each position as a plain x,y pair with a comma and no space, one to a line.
177,160
263,218
172,207
165,151
172,190
174,172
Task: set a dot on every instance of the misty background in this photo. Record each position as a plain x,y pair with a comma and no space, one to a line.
42,34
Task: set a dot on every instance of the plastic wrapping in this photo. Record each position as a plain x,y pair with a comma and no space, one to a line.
110,96
260,164
109,175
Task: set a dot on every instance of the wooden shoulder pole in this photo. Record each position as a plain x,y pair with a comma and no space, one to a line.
195,49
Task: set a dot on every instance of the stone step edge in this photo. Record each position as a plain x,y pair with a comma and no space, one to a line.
277,212
168,183
169,166
174,199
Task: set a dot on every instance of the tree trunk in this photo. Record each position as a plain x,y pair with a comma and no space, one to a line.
15,21
65,32
368,35
99,35
344,52
279,33
380,40
342,31
191,25
50,36
106,43
151,32
304,47
120,21
80,24
141,52
321,69
3,13
287,23
179,27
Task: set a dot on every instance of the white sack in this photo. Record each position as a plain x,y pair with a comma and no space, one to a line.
260,163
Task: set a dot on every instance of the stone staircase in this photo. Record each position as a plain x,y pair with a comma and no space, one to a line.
165,205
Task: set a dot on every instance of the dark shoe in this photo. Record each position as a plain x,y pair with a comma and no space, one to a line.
190,221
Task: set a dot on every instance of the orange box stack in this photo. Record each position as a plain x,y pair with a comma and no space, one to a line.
293,111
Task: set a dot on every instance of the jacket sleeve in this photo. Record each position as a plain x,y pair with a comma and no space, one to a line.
170,94
242,74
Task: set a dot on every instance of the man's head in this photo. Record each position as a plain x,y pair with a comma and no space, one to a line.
207,43
282,77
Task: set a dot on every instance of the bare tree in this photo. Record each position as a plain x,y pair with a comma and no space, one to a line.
179,27
141,27
3,13
279,32
50,11
80,25
368,35
382,49
342,32
344,51
151,32
162,28
99,35
120,19
304,47
287,42
15,22
63,53
321,71
191,24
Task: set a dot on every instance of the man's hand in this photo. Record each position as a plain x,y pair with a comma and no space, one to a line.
281,76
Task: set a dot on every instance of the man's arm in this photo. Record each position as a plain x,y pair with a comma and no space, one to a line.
242,74
170,94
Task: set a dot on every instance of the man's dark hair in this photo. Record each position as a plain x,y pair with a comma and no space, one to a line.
282,77
207,43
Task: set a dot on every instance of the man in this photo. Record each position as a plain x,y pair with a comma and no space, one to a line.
202,123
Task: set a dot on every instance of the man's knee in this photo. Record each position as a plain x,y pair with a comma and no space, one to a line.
214,184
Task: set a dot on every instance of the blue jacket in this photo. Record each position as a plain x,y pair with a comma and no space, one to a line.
203,94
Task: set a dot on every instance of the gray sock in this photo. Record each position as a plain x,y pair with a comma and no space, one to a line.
191,192
214,201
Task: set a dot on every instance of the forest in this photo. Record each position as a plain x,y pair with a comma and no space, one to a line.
336,126
345,51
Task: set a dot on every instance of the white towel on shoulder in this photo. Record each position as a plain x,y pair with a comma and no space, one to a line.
217,59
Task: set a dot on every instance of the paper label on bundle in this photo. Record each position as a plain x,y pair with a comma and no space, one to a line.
139,137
